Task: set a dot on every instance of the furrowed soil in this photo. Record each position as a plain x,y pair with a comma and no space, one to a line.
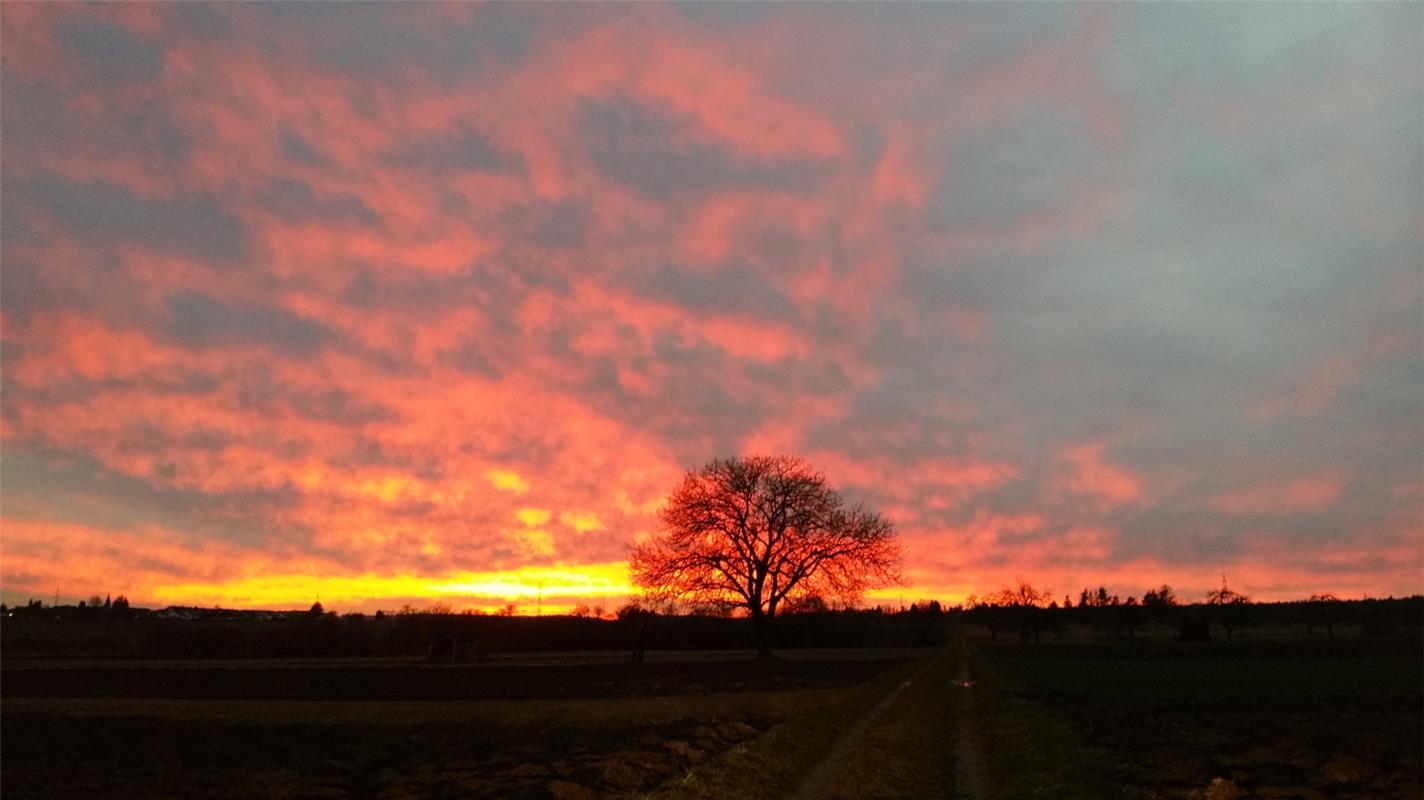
344,682
406,731
1073,721
1177,723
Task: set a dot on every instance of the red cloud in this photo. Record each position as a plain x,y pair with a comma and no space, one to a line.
401,331
1083,471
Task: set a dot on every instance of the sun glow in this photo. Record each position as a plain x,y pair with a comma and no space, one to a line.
560,586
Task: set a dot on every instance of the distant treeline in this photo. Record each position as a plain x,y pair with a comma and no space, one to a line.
111,630
209,633
1225,613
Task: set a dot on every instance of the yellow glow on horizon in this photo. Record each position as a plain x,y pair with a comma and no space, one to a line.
561,584
561,588
895,596
593,580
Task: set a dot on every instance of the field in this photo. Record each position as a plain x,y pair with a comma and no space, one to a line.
1274,715
1265,719
393,730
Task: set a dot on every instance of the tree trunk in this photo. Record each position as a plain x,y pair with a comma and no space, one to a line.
640,645
761,624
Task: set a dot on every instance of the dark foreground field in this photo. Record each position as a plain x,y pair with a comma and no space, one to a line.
1074,718
1264,720
410,730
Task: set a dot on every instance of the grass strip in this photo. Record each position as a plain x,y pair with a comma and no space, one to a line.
774,764
1032,752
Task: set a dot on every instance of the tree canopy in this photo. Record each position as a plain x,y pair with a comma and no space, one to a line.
759,532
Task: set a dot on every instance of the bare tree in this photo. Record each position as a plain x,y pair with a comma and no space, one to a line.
761,531
1228,606
1027,604
1322,608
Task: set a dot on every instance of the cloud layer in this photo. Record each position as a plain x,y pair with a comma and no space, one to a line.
390,304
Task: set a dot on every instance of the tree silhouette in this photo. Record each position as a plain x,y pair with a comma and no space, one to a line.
1159,602
761,531
1026,605
1129,616
1322,608
1228,607
1162,597
634,618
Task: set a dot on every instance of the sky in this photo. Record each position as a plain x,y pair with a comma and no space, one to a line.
392,303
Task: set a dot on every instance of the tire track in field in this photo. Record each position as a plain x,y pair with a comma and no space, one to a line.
821,780
970,780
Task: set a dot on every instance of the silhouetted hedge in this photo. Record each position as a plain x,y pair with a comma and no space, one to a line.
236,635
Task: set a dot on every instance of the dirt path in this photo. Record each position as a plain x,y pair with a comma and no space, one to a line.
969,773
821,781
904,745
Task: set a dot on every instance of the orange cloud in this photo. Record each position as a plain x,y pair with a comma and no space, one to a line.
1083,471
283,310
